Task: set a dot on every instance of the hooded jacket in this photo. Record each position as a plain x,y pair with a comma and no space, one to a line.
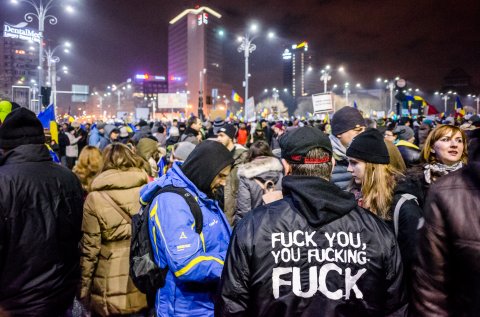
313,253
41,207
231,189
195,261
250,193
106,243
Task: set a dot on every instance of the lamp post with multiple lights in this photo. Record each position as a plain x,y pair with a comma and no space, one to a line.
247,47
41,13
326,75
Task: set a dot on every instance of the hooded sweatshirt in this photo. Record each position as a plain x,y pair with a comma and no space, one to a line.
312,253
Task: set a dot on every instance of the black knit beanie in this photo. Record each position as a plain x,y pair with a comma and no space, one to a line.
21,126
369,146
345,119
205,162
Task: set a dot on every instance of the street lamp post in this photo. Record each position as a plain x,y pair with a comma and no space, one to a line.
346,91
52,61
247,47
445,98
41,13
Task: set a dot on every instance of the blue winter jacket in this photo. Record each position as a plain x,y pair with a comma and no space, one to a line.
195,261
97,139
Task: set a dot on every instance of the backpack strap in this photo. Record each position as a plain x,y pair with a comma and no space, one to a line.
190,200
398,206
115,206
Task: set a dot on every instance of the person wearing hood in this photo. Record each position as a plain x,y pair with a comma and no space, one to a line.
314,252
97,137
144,131
195,261
346,124
261,170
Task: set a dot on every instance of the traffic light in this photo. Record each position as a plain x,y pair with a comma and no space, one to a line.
46,92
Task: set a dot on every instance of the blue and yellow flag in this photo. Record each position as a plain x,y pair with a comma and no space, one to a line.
236,97
459,107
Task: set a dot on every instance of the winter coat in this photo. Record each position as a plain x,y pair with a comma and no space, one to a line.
409,221
195,261
106,243
312,253
144,132
98,140
40,226
447,276
410,153
250,193
231,184
72,148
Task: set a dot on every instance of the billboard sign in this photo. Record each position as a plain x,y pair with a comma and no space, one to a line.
20,32
80,93
322,102
172,100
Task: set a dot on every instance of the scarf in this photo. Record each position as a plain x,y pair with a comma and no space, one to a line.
339,151
439,169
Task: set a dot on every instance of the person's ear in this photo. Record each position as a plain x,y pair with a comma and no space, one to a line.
287,167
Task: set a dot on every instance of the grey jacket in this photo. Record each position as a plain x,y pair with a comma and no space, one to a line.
340,176
250,193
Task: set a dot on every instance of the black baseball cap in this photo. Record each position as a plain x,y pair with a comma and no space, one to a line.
295,145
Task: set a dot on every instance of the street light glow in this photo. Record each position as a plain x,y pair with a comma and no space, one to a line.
69,9
379,79
239,38
358,85
221,32
271,35
254,27
341,69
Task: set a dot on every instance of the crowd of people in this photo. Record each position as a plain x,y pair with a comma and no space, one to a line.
348,217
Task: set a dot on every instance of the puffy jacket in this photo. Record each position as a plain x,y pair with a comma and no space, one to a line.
231,184
106,243
312,253
41,207
447,275
249,192
97,139
410,153
195,261
72,149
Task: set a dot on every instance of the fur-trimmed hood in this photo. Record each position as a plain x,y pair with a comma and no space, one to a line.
259,166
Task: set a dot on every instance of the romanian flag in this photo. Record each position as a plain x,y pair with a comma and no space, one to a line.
459,107
418,98
236,97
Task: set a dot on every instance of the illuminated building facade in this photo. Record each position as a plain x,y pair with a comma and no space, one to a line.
298,75
18,65
195,56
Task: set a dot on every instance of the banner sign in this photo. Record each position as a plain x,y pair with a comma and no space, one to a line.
322,102
250,110
172,100
20,32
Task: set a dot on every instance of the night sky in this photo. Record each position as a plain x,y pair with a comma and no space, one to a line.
419,40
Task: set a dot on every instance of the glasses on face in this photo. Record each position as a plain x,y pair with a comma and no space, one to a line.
386,135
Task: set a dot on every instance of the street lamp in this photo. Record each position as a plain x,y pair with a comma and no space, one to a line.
41,14
326,75
247,46
390,86
52,60
346,91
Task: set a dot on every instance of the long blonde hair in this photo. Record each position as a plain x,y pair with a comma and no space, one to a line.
436,134
89,164
378,184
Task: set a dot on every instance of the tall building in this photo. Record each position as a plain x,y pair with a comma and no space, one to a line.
298,75
18,66
195,56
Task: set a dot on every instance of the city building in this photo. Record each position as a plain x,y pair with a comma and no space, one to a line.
195,57
298,70
18,67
